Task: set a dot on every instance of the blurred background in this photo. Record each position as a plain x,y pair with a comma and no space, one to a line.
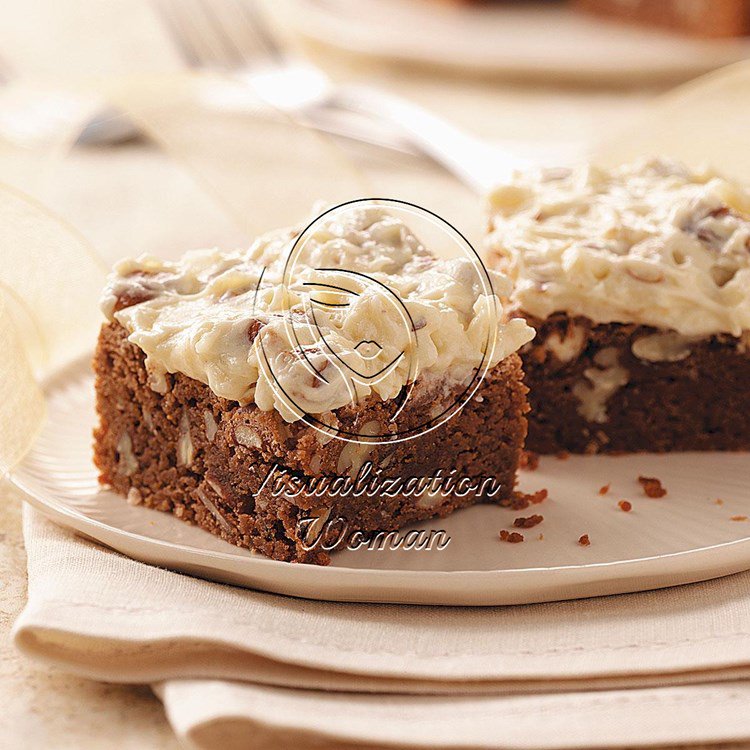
424,100
541,82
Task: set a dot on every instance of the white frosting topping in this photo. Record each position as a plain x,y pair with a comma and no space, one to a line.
387,308
649,243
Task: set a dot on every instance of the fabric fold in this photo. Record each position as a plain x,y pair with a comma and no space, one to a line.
102,615
209,714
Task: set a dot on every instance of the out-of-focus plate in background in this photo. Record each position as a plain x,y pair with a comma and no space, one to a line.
524,39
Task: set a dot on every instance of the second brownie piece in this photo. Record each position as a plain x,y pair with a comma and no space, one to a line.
637,281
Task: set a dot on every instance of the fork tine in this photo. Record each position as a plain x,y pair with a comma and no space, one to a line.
231,52
191,26
229,34
255,24
176,31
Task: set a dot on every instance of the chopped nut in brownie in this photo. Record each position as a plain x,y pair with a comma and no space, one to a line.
584,540
528,522
652,487
625,506
510,536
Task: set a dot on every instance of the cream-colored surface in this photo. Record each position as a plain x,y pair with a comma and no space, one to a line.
553,654
649,242
131,198
48,708
701,122
31,310
194,315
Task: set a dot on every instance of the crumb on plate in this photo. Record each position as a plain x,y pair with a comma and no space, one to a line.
652,486
522,500
528,522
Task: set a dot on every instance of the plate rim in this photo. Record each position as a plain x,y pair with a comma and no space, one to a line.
629,572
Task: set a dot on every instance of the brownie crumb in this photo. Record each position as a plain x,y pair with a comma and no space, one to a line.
517,501
528,522
510,536
718,501
522,500
584,540
652,487
604,490
625,506
739,518
529,461
541,537
538,497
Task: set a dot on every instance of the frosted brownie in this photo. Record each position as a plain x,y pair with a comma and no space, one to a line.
637,281
218,400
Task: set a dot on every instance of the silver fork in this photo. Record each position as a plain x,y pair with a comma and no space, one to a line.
232,36
235,40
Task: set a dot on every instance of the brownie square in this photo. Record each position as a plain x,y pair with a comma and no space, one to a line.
295,414
206,460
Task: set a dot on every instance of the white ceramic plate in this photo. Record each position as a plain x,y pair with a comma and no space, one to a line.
681,538
516,38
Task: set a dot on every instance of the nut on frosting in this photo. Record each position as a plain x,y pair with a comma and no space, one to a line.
651,243
226,319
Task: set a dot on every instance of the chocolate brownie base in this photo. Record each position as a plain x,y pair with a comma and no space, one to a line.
589,392
206,460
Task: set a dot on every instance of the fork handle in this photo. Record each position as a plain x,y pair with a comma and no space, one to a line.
477,164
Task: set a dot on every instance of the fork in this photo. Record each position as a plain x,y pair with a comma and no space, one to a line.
232,36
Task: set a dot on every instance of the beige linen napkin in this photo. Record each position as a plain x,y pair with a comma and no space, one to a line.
211,714
96,613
